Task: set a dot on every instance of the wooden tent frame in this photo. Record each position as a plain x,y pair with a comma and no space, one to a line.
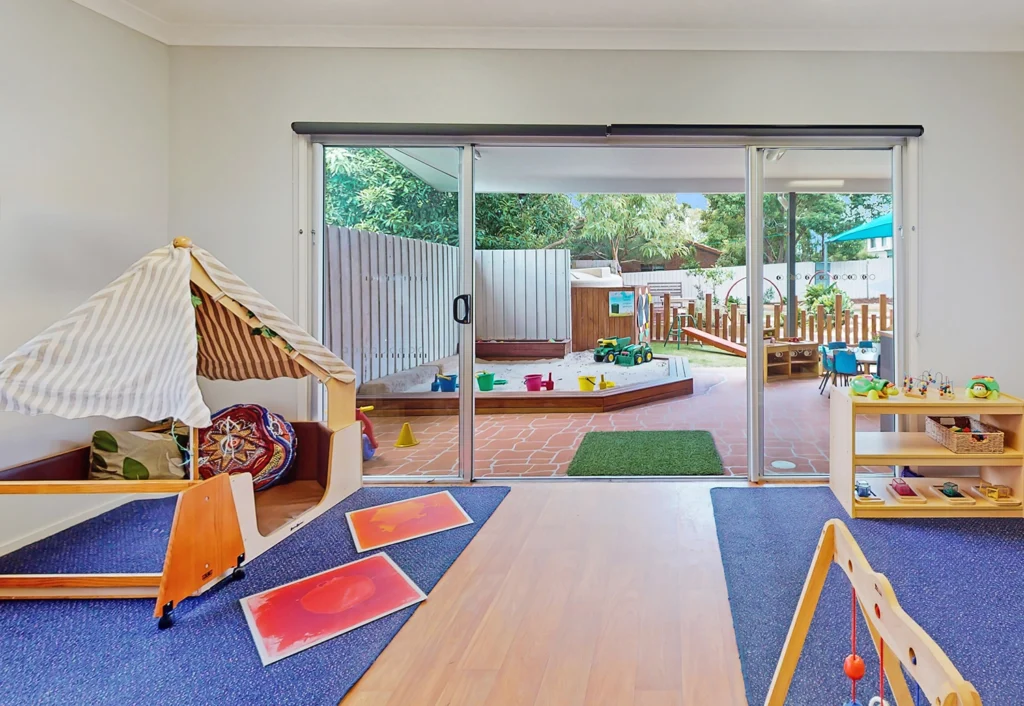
222,507
905,642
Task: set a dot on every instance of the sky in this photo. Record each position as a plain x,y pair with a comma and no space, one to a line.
695,200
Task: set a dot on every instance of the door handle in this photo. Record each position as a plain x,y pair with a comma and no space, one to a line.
467,316
748,311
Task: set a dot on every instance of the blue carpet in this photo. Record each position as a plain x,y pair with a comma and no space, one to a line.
110,652
961,580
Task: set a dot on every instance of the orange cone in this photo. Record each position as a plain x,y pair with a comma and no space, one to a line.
406,438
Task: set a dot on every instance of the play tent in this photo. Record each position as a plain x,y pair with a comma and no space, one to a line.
136,349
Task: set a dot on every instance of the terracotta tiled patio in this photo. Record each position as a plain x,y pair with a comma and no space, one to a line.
542,445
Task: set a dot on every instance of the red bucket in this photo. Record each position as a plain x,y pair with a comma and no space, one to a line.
533,382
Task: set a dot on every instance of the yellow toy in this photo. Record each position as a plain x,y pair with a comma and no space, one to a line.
983,387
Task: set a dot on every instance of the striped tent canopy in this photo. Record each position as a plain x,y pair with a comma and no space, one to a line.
136,347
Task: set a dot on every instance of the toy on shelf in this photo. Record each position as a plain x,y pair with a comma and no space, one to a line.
994,491
903,492
983,387
864,493
903,647
536,383
917,387
872,387
369,440
950,492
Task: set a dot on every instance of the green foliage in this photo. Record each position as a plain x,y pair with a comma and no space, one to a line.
521,221
819,216
708,280
824,294
366,189
104,441
626,227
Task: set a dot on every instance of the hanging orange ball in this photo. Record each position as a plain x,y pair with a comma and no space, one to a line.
853,665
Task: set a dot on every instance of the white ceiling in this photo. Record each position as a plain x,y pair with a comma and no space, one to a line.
983,25
649,170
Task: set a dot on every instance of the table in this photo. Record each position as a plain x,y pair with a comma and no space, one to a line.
866,357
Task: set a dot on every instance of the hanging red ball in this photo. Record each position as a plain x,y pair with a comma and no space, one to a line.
853,665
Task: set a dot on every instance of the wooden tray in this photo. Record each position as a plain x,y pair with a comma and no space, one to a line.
964,500
1002,502
907,499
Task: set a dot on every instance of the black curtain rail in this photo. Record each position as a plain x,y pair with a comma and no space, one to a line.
455,130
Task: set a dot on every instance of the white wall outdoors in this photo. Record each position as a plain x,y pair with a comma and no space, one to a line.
231,146
83,194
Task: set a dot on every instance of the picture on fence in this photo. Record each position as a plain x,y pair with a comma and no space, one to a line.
621,303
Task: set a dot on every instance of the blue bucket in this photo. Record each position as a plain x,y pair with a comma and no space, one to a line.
448,383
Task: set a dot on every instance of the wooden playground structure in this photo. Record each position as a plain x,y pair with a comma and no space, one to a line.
729,326
901,644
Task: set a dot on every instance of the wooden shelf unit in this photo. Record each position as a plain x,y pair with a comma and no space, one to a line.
785,359
850,449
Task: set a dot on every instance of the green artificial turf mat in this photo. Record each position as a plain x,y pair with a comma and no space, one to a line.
646,453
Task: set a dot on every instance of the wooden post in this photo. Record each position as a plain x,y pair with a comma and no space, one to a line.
778,321
846,327
803,325
732,322
828,328
716,323
707,312
864,322
821,324
838,317
652,320
743,329
675,322
691,310
883,313
874,326
810,328
856,325
700,321
666,308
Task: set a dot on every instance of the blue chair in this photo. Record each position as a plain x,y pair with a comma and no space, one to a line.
866,344
836,345
845,363
826,367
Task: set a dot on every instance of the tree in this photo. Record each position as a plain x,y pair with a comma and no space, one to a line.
627,227
517,221
366,189
819,216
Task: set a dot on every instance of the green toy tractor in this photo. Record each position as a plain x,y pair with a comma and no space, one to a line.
608,348
635,354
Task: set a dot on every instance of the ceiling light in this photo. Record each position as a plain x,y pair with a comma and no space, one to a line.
810,183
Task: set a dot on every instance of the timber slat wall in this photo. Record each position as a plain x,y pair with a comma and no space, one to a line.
590,318
522,295
388,301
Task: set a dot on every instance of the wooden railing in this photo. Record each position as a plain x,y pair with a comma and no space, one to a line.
852,326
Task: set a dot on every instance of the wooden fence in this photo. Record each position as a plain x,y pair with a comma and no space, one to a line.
852,326
591,319
522,295
388,301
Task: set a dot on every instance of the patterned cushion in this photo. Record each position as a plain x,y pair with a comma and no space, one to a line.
136,455
247,438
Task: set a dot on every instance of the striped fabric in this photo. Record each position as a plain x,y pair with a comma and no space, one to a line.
131,349
228,350
128,351
271,316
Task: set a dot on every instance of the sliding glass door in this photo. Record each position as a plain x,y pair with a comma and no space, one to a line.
397,301
821,283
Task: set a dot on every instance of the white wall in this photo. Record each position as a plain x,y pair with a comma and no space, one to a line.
232,148
83,193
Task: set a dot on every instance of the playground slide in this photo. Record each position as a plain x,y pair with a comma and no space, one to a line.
712,340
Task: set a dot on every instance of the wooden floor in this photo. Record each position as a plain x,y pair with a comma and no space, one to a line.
574,594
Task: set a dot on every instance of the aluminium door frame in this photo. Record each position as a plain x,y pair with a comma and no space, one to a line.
906,152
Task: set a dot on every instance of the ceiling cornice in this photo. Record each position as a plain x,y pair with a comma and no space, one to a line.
392,37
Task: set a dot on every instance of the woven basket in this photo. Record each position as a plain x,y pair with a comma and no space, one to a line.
981,439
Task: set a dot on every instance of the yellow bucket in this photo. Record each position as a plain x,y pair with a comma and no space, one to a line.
587,383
